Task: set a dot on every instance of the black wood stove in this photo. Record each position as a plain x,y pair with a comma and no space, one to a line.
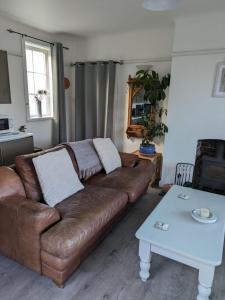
209,171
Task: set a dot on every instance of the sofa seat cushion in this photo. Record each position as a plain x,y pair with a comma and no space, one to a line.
83,214
133,181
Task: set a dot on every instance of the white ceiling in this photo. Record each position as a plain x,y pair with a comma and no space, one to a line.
95,17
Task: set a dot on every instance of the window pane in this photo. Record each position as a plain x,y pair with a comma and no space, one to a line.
29,60
39,62
33,106
30,81
40,82
44,104
38,78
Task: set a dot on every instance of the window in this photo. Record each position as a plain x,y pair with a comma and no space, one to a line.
39,80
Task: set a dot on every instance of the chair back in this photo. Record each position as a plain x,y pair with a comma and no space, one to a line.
184,174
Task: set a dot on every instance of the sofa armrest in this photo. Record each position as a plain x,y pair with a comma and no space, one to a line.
128,159
147,168
10,183
147,165
21,223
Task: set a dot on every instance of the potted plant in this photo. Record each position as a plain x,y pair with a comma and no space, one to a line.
154,94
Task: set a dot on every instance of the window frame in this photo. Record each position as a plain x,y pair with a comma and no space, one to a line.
48,50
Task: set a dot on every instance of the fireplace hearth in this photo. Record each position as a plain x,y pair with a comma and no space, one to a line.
209,171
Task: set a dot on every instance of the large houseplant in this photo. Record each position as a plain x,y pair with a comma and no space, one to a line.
154,94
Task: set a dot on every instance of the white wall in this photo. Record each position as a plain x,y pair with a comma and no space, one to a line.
152,43
42,130
192,111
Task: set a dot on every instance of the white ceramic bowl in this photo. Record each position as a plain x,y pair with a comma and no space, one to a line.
196,214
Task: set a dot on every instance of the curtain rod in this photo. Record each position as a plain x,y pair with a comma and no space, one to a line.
34,38
131,61
120,62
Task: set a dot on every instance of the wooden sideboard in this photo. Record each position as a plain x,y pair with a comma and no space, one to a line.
156,159
13,145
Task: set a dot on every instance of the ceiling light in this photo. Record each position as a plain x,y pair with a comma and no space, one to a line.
160,5
144,67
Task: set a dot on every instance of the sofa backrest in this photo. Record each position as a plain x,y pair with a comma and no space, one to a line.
27,173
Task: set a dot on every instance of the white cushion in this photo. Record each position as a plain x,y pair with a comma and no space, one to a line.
108,154
57,176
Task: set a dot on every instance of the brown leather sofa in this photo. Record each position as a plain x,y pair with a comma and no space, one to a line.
54,241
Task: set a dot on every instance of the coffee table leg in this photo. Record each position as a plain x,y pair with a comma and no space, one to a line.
145,257
205,278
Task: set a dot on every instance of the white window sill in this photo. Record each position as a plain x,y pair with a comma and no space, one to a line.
39,119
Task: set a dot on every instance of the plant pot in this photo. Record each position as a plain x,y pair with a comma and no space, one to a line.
147,149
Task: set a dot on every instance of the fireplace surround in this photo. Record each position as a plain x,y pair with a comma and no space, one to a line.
209,171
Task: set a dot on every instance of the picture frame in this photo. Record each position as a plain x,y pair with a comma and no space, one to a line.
219,84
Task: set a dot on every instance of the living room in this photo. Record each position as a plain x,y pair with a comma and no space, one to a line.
97,58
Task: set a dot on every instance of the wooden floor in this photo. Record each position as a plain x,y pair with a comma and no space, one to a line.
111,271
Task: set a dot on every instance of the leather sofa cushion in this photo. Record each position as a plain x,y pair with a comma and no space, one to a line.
83,215
133,181
25,168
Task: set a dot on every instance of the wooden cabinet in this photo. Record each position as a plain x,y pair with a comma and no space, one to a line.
156,159
9,149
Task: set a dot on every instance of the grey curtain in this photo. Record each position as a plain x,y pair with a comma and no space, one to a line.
59,103
94,99
5,96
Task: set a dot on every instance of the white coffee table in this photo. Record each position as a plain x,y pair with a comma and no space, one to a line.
187,241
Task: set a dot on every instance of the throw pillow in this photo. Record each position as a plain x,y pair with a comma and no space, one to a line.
108,154
57,176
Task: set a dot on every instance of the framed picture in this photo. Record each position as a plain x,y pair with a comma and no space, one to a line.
219,84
